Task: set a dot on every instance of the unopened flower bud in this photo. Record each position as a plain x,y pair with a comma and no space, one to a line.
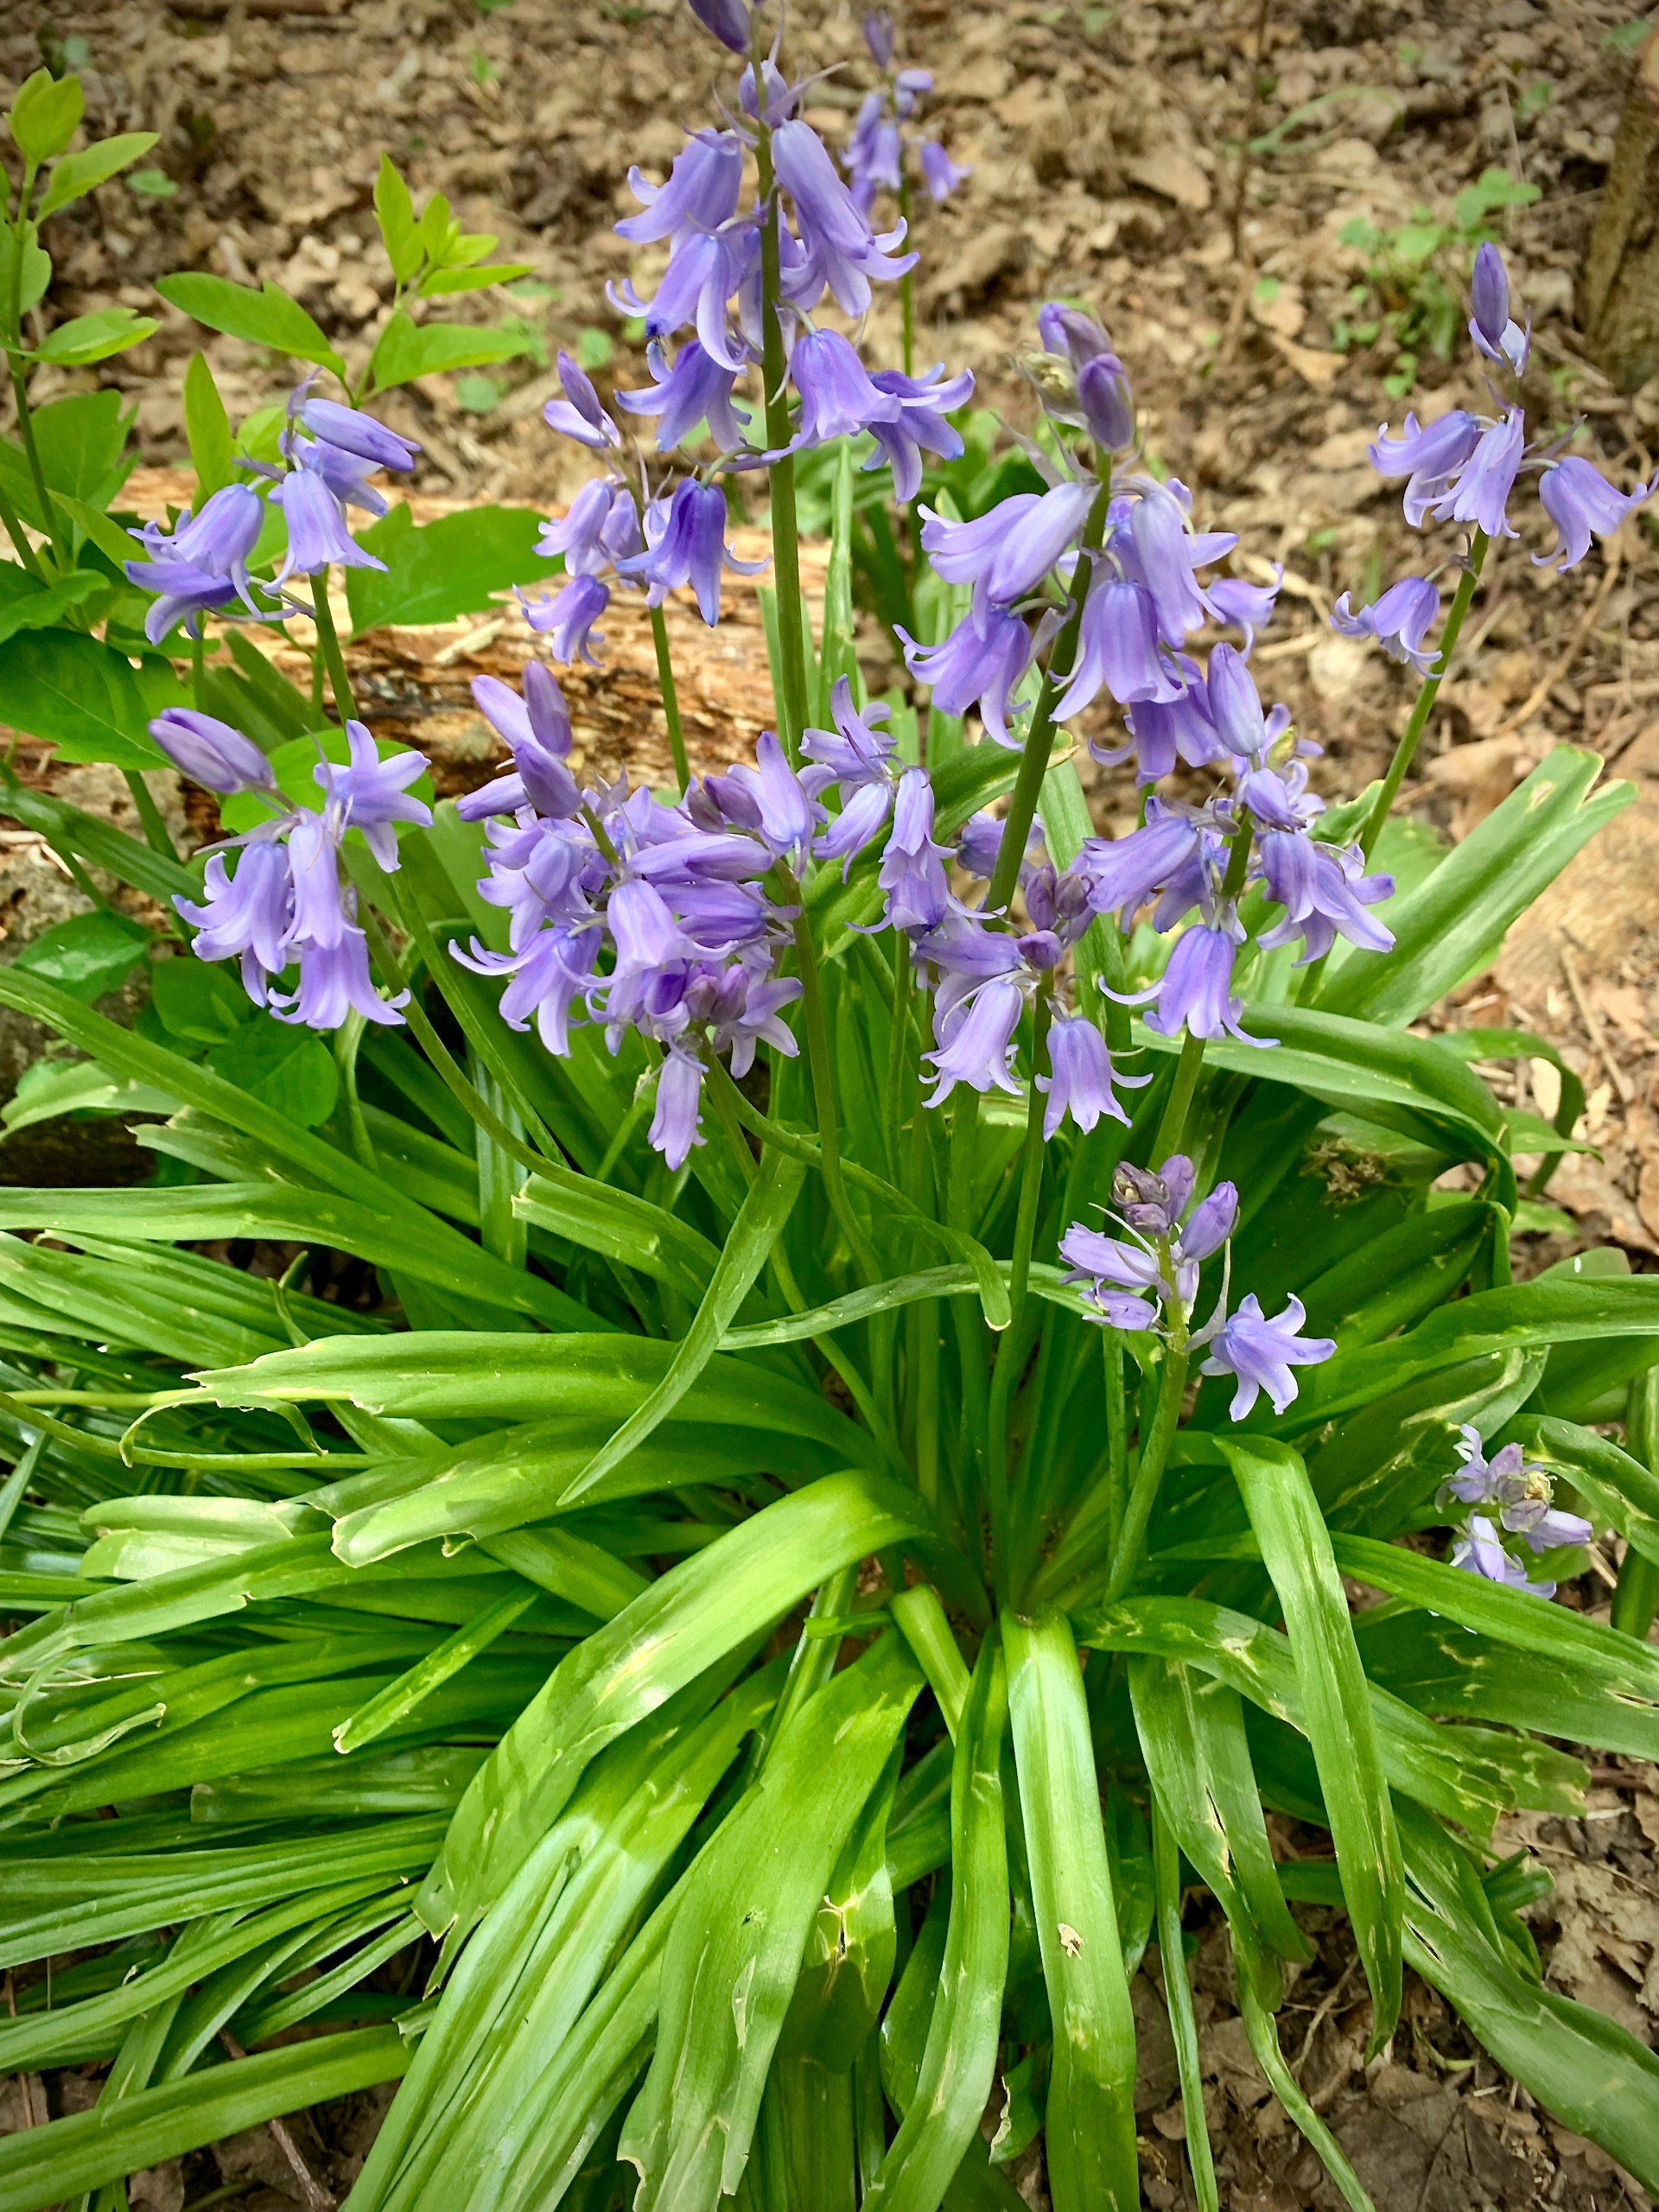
1490,295
1108,409
728,19
210,752
1070,333
878,36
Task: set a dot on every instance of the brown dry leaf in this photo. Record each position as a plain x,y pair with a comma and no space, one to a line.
1172,174
1319,369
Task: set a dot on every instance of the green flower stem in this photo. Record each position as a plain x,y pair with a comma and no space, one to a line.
1177,2003
822,1065
906,287
671,698
1636,1600
348,1037
1172,1128
150,815
199,674
444,1065
785,542
1149,1475
329,638
1118,1435
729,1102
1012,1347
14,528
1429,691
54,529
1034,762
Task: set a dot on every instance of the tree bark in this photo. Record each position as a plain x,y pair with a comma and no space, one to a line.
1618,296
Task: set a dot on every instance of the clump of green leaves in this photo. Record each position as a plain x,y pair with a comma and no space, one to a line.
1411,295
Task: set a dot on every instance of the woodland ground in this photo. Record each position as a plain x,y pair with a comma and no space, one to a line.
1105,143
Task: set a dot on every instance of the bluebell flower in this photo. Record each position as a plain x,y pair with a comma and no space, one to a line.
1428,452
373,795
1108,406
317,536
912,864
548,976
1082,1081
1163,731
1247,606
319,914
873,152
1170,848
975,1044
567,618
1524,1494
919,426
1580,502
600,529
1071,333
939,173
349,431
705,270
245,916
782,809
1194,994
691,549
201,566
210,752
538,729
1260,1354
334,982
1399,621
980,664
841,254
878,36
1118,651
1324,893
838,399
1134,1280
1479,493
700,193
579,415
1490,327
1007,553
1479,1550
728,19
697,389
677,1120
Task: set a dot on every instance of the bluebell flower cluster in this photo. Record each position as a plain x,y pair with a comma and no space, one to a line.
1146,1279
710,296
876,152
201,566
644,918
287,904
607,537
1518,1498
1462,467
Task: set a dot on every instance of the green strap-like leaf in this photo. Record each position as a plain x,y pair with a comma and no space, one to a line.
760,1220
959,2062
1091,2112
735,1951
706,1607
1192,1731
1337,1708
42,2165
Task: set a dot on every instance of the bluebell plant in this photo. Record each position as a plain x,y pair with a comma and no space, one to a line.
846,1338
